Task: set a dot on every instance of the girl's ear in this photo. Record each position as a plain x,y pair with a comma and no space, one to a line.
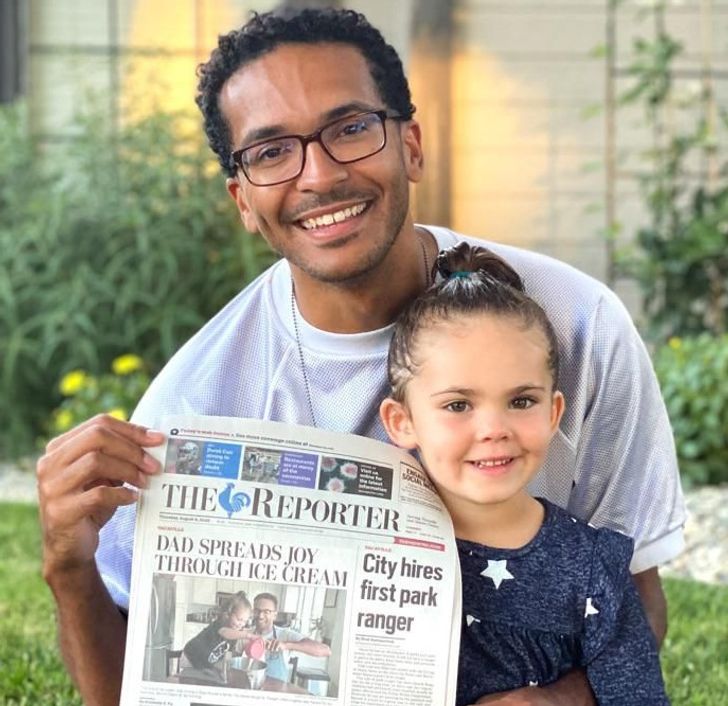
558,404
398,424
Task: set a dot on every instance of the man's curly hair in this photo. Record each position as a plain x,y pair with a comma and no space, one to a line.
264,32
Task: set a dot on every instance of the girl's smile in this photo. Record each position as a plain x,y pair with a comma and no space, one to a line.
481,409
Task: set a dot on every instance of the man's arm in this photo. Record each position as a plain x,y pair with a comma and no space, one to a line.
310,647
92,634
649,586
305,645
571,690
81,481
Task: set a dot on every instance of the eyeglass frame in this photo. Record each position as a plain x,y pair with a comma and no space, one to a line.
305,140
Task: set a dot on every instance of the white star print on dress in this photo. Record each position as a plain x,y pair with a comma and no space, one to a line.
590,608
470,619
498,571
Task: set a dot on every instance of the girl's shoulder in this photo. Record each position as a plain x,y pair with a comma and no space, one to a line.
603,543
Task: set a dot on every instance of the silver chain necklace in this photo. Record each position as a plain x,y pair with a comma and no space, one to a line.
294,315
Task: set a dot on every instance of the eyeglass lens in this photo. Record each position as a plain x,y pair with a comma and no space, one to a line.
346,140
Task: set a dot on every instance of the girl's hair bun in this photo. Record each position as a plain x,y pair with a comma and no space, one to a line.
484,264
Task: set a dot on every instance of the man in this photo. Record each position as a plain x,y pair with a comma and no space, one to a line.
310,116
279,641
188,459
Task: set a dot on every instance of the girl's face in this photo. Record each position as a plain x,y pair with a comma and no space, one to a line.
238,618
481,408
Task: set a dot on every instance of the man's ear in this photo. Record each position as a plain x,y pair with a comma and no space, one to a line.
398,424
412,150
235,189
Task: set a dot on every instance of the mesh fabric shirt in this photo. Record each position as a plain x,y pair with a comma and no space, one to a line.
612,462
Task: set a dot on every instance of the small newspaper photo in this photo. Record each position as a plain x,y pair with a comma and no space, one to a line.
276,563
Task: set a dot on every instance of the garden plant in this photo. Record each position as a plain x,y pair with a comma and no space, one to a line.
679,257
122,240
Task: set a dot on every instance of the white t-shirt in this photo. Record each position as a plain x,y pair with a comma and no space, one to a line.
612,463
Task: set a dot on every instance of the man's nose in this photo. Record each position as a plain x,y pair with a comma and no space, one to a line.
320,171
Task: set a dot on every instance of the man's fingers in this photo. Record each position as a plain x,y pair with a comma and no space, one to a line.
96,504
97,439
135,433
92,469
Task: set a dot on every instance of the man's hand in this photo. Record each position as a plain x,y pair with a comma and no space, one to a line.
275,645
571,690
528,696
80,485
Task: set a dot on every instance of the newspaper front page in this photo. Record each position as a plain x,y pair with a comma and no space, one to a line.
343,539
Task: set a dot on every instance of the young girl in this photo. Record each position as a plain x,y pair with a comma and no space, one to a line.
208,647
473,366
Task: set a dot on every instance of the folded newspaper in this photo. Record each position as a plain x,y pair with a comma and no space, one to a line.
341,545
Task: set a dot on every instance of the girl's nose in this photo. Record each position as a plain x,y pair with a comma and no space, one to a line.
492,426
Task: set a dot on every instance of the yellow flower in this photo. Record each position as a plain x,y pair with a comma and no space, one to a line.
63,420
118,413
72,382
126,364
675,343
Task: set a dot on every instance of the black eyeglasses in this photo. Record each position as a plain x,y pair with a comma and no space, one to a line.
280,159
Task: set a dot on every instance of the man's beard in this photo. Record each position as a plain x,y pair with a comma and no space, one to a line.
392,229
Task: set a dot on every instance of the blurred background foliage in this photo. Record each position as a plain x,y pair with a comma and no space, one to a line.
693,374
120,241
679,258
115,392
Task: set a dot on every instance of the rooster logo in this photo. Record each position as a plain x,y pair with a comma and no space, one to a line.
232,502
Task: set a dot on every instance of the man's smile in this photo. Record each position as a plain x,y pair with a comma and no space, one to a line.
331,217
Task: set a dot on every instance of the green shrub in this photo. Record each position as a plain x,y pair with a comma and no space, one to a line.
679,256
115,393
693,374
119,241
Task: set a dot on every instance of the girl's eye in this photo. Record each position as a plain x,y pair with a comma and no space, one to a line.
457,406
523,402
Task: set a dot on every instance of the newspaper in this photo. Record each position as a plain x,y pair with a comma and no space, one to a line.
346,532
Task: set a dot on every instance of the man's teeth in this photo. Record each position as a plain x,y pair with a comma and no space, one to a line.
336,217
493,464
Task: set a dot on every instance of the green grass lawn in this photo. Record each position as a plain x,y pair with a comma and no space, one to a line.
695,655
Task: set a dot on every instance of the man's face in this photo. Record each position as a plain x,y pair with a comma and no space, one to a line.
296,89
264,613
187,455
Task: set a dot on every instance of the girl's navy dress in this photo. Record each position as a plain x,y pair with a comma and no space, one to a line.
564,600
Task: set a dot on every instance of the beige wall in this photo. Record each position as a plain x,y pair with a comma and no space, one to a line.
505,104
528,168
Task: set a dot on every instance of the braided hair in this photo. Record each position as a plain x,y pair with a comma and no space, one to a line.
472,280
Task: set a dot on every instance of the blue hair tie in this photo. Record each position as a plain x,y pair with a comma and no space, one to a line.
461,275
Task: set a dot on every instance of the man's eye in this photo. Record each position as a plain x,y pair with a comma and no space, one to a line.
523,402
269,153
457,406
354,127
